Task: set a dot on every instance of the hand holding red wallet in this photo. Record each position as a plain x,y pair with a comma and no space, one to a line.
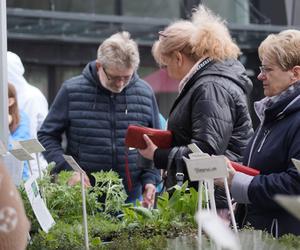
134,137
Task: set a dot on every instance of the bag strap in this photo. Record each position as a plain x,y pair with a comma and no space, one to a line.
179,171
127,171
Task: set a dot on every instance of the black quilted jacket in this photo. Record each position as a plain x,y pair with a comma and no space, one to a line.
211,111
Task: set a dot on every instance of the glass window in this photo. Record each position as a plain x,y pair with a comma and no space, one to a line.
66,72
37,76
86,6
157,8
234,11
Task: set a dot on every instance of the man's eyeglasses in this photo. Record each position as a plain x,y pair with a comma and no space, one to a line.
264,70
116,78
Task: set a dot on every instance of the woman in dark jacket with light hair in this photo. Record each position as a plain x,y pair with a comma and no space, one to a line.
276,141
211,108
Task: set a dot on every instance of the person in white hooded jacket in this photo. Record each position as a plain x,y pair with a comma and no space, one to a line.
31,101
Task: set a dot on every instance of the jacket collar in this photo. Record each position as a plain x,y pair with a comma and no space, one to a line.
276,107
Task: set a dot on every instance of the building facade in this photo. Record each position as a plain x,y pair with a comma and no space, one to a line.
56,38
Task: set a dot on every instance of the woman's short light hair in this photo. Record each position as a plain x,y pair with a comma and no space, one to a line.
282,49
119,51
205,35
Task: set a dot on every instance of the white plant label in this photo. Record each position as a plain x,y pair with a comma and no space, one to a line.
198,155
39,208
19,152
14,167
297,164
74,165
204,168
290,202
70,160
194,148
32,146
215,228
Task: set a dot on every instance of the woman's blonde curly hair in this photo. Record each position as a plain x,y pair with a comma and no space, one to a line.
206,34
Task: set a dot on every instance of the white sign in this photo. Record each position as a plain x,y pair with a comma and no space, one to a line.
39,208
215,228
74,165
32,146
290,202
296,163
204,168
21,154
194,148
14,167
3,149
70,160
198,155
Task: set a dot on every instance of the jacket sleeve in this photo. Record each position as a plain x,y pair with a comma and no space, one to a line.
263,187
152,175
211,120
55,124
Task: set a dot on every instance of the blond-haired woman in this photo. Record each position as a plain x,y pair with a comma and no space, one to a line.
276,141
211,108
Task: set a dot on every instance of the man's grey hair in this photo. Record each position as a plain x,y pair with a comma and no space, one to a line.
119,51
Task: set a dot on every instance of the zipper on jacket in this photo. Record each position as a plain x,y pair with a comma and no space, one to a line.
266,133
113,129
253,143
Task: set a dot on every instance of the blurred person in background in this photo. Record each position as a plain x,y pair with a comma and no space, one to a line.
276,141
30,100
211,107
18,125
95,109
14,225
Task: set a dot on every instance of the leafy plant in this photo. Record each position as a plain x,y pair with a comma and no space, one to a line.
170,224
111,188
65,202
173,213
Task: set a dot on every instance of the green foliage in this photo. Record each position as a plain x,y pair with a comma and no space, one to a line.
70,236
65,205
290,241
174,212
61,236
182,204
110,185
104,227
140,228
137,242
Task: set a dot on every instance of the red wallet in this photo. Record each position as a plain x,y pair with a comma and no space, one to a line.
134,137
243,169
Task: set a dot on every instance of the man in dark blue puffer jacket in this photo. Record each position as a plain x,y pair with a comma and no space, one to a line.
95,108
